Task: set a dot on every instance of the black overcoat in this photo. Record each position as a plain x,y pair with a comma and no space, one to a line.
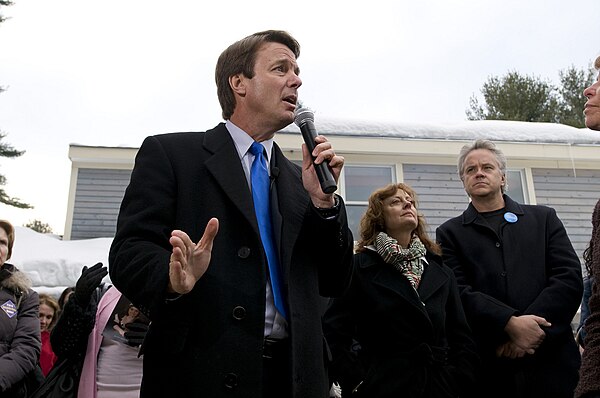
412,345
530,268
208,343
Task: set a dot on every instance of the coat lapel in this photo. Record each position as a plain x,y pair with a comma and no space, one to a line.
292,203
387,277
229,175
433,279
226,168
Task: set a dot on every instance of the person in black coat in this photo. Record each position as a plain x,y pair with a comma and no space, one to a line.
402,308
520,282
190,252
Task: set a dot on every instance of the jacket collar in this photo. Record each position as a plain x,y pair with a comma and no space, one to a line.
293,200
433,277
13,279
6,271
229,173
471,214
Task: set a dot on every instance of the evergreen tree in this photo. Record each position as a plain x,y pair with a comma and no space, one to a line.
6,150
38,226
4,3
532,99
573,82
515,97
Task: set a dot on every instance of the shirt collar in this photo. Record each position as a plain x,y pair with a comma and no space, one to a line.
243,141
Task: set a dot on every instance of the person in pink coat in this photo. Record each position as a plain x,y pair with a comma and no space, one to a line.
111,364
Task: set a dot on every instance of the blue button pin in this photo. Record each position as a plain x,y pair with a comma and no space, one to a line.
510,217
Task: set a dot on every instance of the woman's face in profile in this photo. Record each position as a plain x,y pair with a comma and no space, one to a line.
3,246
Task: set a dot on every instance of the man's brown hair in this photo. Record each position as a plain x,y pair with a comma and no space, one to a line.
240,57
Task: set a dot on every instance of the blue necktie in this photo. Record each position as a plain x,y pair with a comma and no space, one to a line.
259,177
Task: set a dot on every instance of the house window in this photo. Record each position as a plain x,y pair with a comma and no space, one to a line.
516,186
359,183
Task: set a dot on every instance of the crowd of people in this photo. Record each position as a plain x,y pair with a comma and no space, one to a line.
225,251
86,347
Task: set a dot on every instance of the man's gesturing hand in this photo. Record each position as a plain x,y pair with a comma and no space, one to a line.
189,261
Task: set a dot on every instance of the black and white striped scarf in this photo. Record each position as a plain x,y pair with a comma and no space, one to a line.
407,261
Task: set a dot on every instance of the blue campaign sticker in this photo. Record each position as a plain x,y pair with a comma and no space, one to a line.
10,308
510,217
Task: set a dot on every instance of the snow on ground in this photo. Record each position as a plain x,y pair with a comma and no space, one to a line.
53,264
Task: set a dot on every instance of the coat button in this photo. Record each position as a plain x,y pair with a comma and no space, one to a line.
497,244
503,274
243,252
239,313
231,380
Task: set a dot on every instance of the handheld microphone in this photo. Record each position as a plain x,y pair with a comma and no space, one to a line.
305,118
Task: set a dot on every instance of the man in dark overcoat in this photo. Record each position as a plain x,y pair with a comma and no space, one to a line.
190,250
520,283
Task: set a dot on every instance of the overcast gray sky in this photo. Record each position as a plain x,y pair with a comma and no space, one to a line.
112,72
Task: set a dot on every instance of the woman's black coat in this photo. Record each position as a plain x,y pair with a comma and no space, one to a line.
411,345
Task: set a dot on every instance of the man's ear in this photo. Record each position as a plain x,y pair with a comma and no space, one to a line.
238,84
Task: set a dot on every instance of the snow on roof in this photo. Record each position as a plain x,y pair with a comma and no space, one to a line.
469,130
53,264
495,130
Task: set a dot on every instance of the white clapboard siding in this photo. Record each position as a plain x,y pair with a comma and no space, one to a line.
573,196
97,200
440,192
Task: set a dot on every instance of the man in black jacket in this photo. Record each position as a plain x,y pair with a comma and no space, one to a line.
520,283
224,324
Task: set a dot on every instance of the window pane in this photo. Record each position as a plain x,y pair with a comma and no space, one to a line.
515,186
361,181
355,213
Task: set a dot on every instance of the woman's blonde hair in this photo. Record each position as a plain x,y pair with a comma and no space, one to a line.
10,233
52,303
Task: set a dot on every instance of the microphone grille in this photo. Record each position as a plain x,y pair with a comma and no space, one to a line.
302,115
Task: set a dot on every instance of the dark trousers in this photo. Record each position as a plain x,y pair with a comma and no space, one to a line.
277,375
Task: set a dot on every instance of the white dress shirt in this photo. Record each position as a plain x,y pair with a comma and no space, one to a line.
275,323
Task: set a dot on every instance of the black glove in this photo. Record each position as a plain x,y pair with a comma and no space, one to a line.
135,333
88,282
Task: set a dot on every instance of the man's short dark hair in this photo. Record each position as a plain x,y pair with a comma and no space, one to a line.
240,57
